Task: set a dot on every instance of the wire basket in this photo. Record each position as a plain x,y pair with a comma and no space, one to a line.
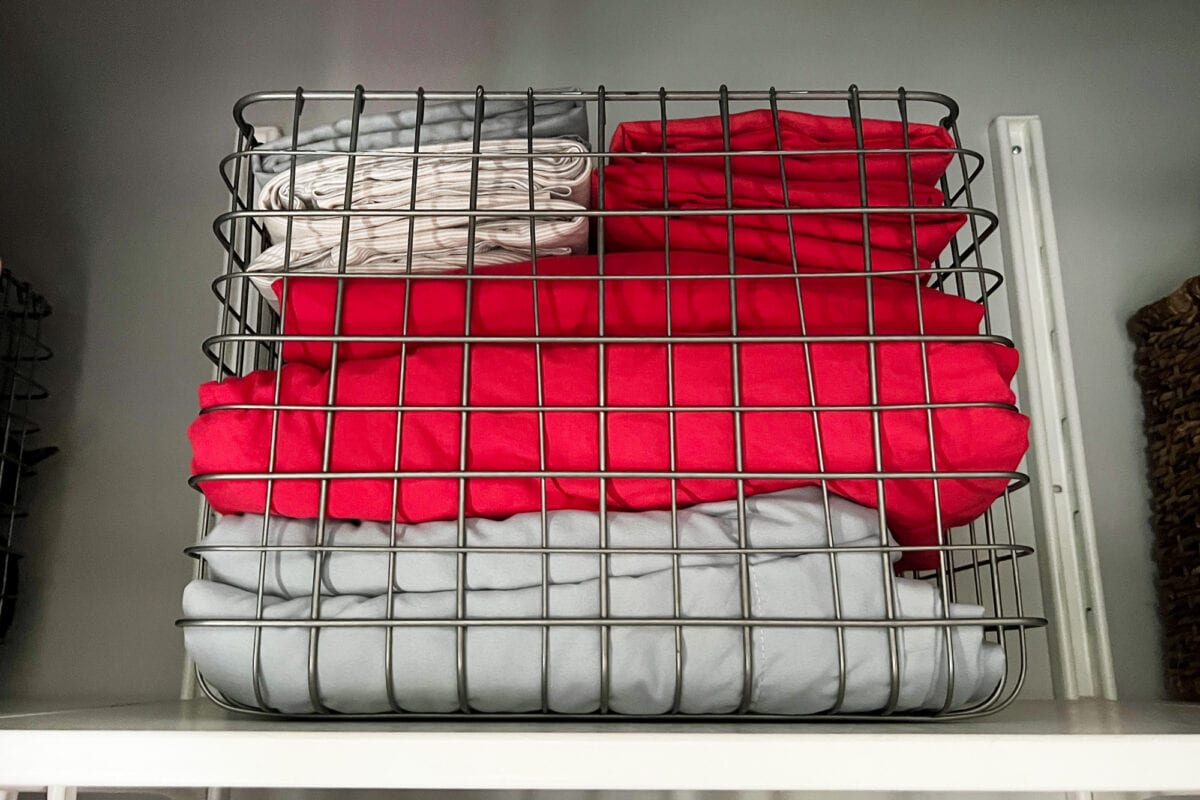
409,398
21,349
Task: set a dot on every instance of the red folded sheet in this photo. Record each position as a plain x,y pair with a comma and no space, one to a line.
754,130
774,441
570,306
973,439
825,240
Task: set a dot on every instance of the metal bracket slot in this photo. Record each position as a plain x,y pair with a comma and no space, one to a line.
1079,646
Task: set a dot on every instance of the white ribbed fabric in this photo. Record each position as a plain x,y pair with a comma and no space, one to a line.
383,182
449,121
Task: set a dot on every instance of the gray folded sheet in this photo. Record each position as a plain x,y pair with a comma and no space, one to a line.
795,669
791,518
443,122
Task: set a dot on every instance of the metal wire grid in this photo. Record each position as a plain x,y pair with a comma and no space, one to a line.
21,348
977,564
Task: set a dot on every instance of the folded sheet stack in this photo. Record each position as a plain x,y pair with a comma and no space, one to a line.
822,175
444,177
796,670
984,433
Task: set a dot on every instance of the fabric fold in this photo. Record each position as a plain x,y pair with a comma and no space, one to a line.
795,668
378,233
792,518
984,434
909,238
755,130
767,300
444,121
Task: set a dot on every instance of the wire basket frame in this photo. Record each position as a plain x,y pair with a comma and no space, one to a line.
21,349
975,563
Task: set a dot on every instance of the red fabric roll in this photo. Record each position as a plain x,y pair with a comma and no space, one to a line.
967,439
830,241
832,305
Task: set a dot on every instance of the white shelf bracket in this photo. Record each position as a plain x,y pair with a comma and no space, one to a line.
1070,572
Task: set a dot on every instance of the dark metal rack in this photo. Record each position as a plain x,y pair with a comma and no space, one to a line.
977,563
21,350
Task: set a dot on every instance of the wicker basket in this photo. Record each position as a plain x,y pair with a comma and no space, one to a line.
1167,359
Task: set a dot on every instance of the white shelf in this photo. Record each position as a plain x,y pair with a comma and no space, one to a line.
1033,746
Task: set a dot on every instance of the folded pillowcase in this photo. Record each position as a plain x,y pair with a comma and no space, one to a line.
569,305
830,241
754,130
899,241
447,121
383,184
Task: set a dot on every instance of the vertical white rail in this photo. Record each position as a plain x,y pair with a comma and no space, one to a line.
1079,647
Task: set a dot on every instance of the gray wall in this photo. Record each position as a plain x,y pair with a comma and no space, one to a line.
113,117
